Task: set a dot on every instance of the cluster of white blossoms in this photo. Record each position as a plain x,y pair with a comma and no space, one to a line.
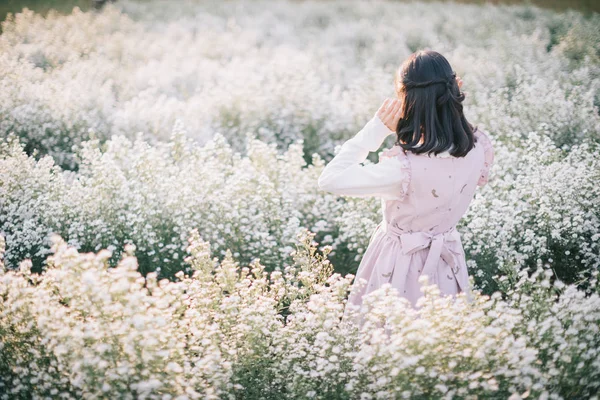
540,208
151,196
82,329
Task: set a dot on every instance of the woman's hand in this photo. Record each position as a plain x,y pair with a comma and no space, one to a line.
389,113
459,81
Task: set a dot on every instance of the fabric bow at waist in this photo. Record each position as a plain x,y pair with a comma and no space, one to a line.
442,245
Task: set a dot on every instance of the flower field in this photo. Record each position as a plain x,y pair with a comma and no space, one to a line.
163,236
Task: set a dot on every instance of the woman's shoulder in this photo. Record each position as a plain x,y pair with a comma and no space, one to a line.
483,139
488,150
394,151
482,135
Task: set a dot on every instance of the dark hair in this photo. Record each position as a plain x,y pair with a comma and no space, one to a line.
431,106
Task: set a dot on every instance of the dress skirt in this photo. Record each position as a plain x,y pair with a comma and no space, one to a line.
400,257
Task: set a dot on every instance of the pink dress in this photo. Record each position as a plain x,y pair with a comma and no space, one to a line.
421,207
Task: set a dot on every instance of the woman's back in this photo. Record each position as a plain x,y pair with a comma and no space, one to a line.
439,188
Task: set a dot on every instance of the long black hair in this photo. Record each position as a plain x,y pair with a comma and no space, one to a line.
431,107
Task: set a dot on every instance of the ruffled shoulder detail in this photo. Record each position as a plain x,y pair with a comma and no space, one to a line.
488,149
405,169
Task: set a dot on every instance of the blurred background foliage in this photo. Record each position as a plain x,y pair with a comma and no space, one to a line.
66,6
43,6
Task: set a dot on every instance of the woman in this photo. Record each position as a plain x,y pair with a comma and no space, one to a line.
425,181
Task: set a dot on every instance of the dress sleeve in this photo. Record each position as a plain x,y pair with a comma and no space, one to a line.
488,150
344,174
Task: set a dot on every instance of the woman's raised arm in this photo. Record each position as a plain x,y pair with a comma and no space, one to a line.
344,175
